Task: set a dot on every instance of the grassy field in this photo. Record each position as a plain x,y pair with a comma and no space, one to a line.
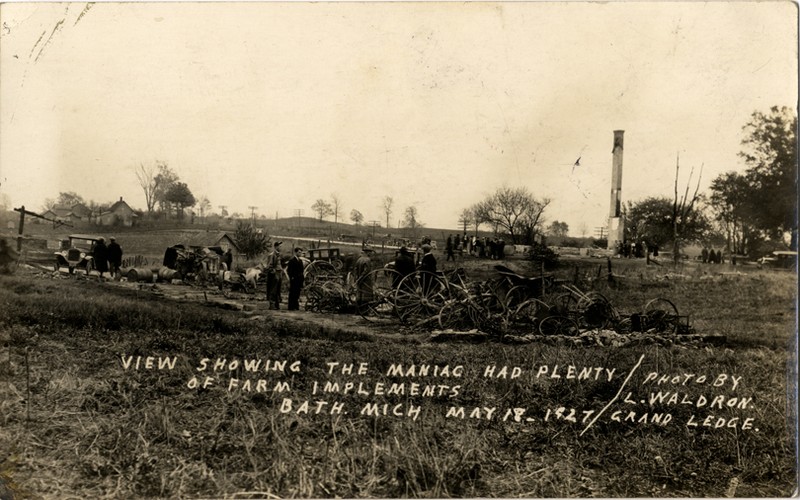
76,423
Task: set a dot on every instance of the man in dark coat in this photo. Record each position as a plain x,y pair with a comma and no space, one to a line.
295,271
404,265
227,259
100,256
114,257
428,263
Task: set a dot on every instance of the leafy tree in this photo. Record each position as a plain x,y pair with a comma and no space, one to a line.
388,201
558,229
356,216
651,220
322,208
164,180
411,220
770,153
180,196
69,198
515,210
249,240
731,204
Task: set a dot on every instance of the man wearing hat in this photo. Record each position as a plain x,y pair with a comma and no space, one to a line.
114,257
403,264
428,264
100,256
274,277
294,268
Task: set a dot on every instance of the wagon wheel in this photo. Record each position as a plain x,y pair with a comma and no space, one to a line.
419,296
559,325
376,291
516,296
596,311
564,304
320,270
662,315
454,316
529,312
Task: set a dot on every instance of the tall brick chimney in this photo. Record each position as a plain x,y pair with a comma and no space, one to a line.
616,229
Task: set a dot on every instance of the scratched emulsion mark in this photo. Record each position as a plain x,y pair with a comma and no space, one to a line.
573,178
83,12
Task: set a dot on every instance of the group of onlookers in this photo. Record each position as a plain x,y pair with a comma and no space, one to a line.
484,248
107,258
711,256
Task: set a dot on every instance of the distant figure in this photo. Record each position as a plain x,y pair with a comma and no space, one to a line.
274,277
100,256
448,248
227,259
295,271
404,265
114,257
501,249
704,255
362,270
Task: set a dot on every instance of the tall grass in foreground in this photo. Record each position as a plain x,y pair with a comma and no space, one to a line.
90,429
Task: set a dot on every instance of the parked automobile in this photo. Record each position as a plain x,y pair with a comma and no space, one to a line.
76,253
781,259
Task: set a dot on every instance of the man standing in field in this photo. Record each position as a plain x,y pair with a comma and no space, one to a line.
114,257
428,263
295,271
362,269
404,265
100,257
274,277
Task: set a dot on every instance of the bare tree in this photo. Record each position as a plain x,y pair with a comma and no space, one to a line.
388,201
336,207
468,218
203,205
682,208
514,210
146,174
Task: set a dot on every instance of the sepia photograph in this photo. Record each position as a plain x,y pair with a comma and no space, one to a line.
389,249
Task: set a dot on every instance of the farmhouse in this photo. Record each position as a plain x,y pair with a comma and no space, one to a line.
119,214
73,214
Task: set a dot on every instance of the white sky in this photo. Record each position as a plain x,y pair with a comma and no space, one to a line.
435,104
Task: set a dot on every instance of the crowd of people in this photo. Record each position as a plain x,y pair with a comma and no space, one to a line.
484,248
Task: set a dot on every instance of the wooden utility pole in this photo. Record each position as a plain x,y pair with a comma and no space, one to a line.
22,214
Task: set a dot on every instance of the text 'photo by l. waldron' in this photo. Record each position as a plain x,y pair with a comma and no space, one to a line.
264,250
